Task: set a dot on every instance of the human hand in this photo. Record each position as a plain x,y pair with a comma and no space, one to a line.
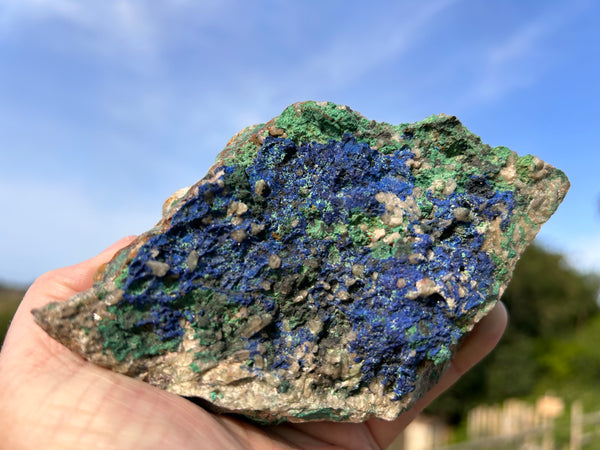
53,398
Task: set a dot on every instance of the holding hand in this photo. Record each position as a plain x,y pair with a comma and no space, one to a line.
52,398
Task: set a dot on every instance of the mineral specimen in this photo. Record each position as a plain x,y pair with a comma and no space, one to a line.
326,268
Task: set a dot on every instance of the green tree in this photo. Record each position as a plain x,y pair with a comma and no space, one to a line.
548,301
546,297
574,363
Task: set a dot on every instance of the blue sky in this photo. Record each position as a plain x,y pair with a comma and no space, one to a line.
107,107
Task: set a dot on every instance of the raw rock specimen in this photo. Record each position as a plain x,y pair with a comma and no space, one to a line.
326,268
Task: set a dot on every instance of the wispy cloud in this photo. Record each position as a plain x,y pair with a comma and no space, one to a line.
14,11
104,29
128,30
143,36
341,55
523,56
377,40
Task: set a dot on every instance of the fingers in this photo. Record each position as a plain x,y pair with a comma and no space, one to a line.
477,345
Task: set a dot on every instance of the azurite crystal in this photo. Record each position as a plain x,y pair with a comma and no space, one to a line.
326,268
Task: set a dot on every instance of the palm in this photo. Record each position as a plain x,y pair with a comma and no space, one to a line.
50,397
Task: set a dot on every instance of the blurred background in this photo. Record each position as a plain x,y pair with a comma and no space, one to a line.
108,107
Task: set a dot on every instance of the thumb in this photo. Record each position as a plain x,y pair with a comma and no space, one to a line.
24,336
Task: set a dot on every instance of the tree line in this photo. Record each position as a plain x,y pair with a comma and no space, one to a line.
550,343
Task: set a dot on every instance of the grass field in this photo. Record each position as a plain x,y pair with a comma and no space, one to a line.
9,301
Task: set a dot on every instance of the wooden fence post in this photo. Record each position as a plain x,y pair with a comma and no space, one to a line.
576,426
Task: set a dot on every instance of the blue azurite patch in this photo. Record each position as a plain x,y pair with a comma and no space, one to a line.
303,249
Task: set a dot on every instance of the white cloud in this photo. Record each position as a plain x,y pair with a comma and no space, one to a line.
133,25
18,10
138,27
120,29
524,56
